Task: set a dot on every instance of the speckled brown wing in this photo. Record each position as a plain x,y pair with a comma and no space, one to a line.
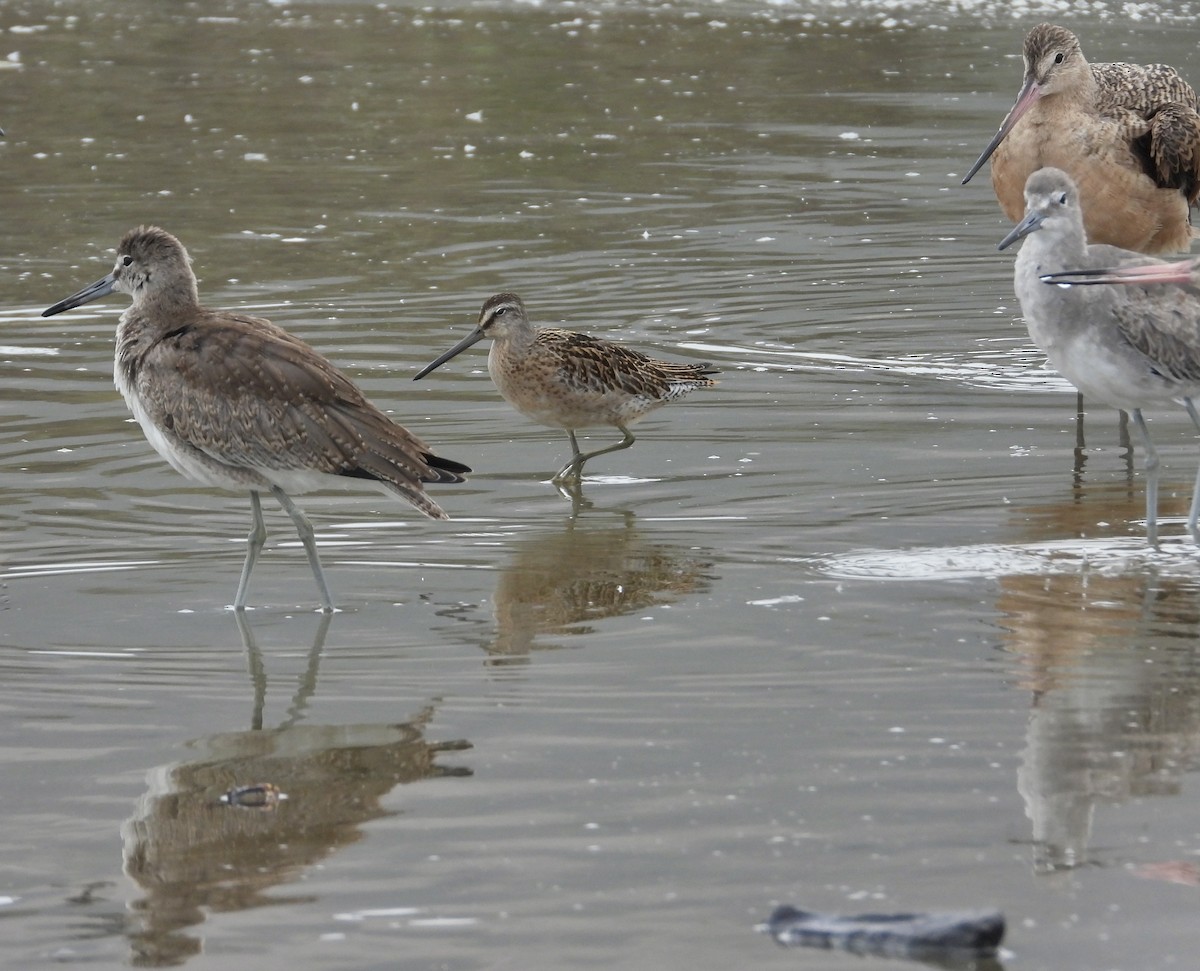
1163,322
1142,88
1175,149
1158,110
591,364
248,394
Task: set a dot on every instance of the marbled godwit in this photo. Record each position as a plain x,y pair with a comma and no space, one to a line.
1128,135
567,380
1124,346
237,402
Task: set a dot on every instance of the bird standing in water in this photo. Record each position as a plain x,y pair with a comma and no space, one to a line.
567,380
1128,135
1129,347
237,402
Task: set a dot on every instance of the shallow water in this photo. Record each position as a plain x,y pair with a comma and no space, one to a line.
864,628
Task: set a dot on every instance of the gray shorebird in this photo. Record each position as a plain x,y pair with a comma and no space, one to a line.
571,381
1129,347
237,402
1128,135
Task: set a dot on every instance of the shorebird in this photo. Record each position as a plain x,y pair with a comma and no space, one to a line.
237,402
1128,135
567,380
1128,347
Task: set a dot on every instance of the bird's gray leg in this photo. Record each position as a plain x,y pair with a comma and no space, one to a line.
1194,512
1150,464
573,470
304,528
254,545
575,466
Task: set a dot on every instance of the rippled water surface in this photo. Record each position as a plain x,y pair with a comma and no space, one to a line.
869,627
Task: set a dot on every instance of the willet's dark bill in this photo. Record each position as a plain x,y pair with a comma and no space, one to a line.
1128,135
237,402
567,380
1129,347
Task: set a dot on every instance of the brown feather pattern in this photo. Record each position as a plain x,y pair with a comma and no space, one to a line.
253,399
569,380
236,401
1128,134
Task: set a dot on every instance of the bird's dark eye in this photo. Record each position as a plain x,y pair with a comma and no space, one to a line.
1062,200
1058,58
499,312
127,261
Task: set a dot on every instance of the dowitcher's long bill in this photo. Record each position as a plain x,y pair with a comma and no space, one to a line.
237,402
567,380
1131,347
1128,135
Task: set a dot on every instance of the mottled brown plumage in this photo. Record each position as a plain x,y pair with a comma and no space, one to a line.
1128,135
568,380
237,402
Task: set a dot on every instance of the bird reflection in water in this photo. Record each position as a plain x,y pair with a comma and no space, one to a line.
1105,726
563,582
192,854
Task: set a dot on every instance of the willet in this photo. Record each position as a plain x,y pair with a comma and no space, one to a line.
237,402
571,381
1124,346
1128,135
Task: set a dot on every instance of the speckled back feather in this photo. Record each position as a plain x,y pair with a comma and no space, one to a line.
591,364
1156,110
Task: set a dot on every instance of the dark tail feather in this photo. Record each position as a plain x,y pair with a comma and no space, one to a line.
446,470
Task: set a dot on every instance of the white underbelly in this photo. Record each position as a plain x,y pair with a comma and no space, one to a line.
208,470
1115,375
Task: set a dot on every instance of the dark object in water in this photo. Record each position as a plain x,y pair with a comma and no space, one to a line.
262,795
951,933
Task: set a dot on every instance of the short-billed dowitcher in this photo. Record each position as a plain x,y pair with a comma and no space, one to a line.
571,381
1128,135
1128,347
237,402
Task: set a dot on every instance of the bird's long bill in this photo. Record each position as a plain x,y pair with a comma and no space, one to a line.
1131,275
1030,224
1025,99
101,288
472,338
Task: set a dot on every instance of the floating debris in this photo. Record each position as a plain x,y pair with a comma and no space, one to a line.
262,795
952,933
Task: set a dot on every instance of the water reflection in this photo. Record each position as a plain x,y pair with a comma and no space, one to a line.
1105,633
560,583
192,854
1113,670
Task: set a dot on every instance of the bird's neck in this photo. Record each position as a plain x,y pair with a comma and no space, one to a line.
164,309
517,339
